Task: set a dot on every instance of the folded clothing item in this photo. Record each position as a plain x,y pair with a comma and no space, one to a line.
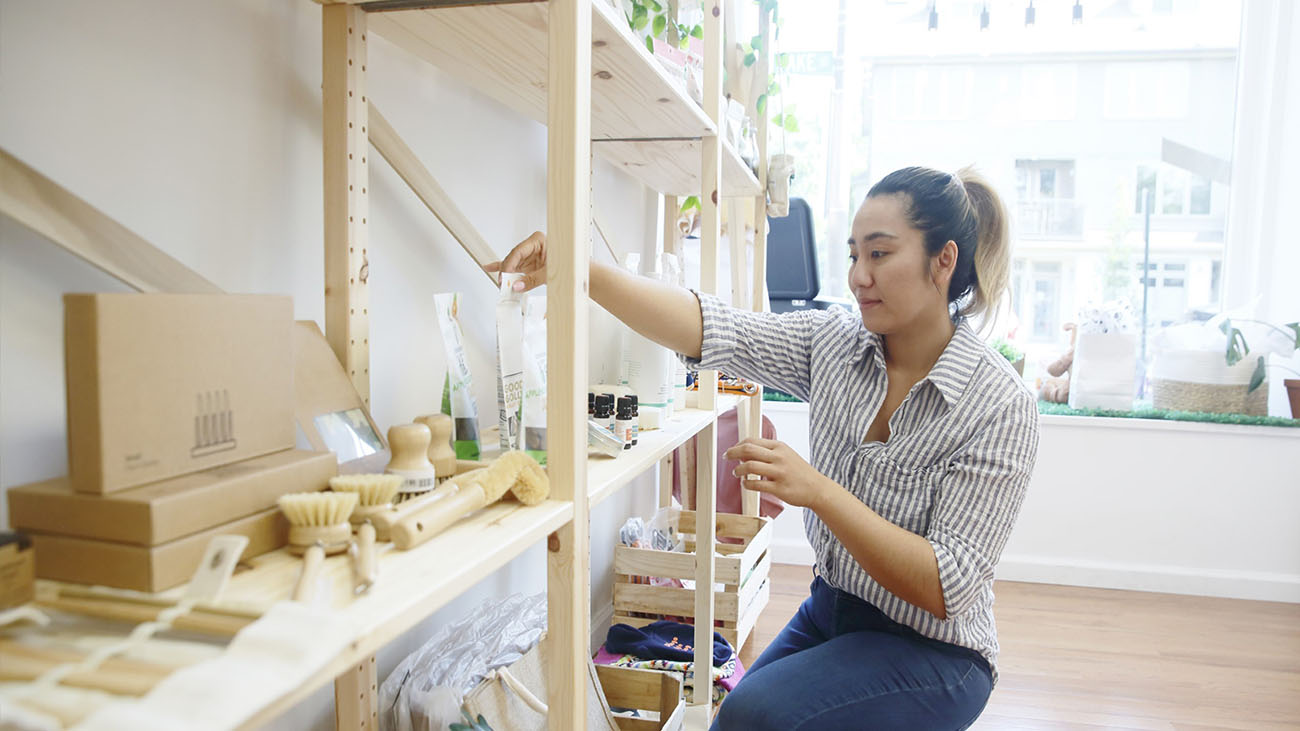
663,640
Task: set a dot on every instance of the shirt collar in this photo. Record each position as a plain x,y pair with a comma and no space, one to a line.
950,373
957,363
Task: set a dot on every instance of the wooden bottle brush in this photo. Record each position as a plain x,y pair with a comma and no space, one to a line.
514,472
318,526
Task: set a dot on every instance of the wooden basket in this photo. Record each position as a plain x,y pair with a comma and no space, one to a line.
743,569
644,690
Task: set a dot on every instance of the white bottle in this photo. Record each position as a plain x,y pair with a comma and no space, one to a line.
645,363
672,274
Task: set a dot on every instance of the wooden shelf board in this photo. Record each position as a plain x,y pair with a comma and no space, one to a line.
412,584
605,475
672,167
501,50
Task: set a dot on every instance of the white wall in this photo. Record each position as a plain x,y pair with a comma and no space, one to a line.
1130,504
197,125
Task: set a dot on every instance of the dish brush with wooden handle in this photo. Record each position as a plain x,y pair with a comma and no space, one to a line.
514,472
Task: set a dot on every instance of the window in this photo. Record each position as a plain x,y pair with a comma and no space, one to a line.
932,92
1167,296
1068,123
1147,90
1047,91
1174,192
1045,205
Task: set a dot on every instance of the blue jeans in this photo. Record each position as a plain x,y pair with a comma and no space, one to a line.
842,664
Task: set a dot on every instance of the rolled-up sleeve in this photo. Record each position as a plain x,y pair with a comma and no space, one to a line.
979,498
771,349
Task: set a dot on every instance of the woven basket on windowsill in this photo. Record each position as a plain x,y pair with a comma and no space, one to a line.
1209,397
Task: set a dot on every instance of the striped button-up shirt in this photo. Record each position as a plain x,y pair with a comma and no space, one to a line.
954,469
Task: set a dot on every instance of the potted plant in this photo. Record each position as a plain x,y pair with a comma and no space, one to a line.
1237,349
1014,355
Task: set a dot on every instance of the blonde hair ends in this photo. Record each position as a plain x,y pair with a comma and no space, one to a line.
993,245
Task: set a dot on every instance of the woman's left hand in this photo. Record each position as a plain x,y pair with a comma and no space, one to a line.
781,472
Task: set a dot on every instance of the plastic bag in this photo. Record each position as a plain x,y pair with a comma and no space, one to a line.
426,690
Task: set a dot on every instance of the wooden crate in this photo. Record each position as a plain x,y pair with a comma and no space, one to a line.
742,569
644,690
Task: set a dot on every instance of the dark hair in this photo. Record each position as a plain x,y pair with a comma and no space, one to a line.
966,210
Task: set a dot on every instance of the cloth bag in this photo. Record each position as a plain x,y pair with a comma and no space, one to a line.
513,698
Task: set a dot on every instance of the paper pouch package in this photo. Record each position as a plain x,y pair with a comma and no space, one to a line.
164,511
457,391
534,406
160,385
510,363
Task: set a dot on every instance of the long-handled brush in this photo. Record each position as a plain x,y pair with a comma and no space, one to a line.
514,472
318,526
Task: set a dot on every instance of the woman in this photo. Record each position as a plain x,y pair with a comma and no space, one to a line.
922,441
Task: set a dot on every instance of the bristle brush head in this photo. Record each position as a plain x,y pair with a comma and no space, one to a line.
318,508
371,490
532,486
515,472
319,517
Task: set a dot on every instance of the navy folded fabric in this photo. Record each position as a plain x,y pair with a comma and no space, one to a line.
663,640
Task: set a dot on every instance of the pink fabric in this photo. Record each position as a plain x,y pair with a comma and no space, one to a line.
729,682
729,495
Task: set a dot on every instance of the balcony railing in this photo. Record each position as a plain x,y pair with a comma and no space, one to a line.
1049,217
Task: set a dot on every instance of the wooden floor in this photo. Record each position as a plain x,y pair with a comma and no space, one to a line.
1077,658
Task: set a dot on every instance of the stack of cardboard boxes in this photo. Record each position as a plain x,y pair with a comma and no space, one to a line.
181,412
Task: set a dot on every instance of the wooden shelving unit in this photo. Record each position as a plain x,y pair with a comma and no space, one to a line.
575,66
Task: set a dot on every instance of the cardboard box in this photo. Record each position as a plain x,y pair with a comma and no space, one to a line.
84,561
328,409
161,385
170,509
17,570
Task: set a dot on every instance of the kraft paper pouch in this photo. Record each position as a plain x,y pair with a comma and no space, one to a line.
534,409
457,391
510,363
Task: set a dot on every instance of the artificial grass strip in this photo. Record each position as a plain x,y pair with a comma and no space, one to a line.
1046,407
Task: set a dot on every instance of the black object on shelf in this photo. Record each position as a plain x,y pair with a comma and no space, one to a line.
792,279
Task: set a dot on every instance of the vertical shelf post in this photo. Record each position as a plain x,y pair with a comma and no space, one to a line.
347,178
758,288
568,224
356,698
706,475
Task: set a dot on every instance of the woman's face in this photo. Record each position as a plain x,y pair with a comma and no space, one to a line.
894,281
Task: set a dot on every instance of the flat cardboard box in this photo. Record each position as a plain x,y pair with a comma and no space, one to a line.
161,385
83,561
164,511
329,412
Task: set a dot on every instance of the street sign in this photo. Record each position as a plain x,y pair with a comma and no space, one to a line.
814,63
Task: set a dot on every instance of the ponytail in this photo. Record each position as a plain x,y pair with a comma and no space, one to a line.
992,248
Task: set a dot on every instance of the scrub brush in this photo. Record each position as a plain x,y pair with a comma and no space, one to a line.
318,526
515,472
375,495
